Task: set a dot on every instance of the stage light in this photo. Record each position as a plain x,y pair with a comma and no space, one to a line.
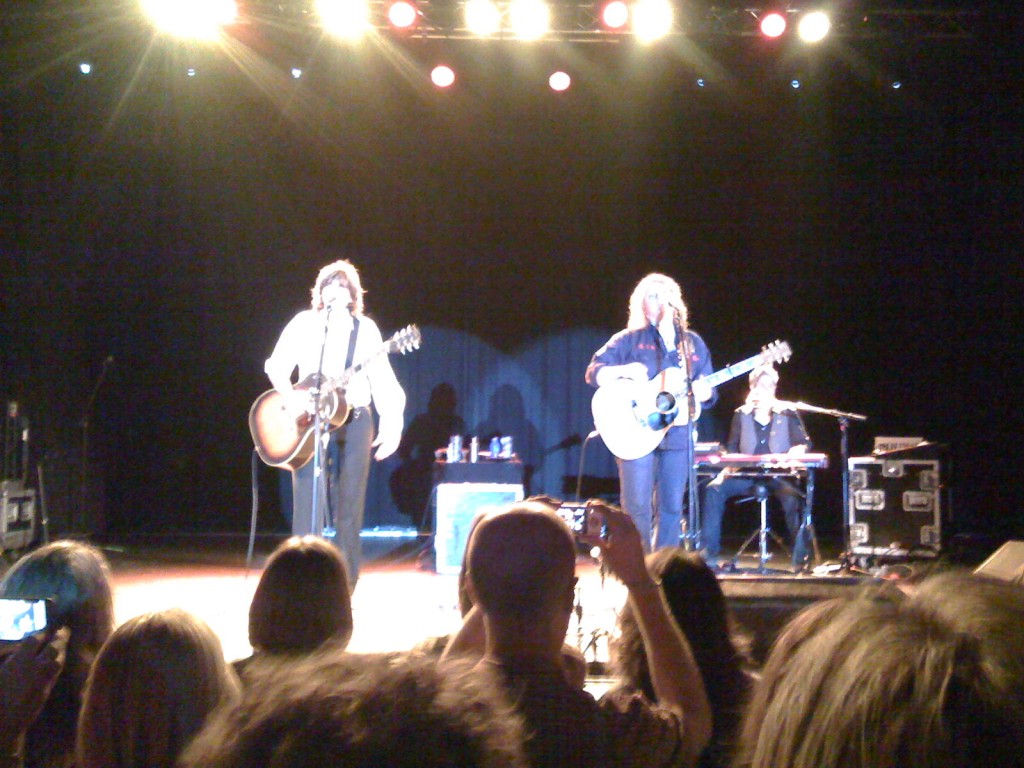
190,72
794,84
652,19
615,14
192,19
442,76
559,81
482,17
85,68
773,25
296,73
529,19
814,27
896,85
700,82
402,14
347,19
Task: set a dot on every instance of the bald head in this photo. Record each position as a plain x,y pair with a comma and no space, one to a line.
522,562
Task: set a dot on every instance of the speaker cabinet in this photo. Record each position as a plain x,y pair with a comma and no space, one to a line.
895,507
458,504
17,515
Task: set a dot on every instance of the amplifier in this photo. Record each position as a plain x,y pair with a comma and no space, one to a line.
17,515
458,505
895,507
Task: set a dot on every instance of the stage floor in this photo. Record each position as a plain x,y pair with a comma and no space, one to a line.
400,601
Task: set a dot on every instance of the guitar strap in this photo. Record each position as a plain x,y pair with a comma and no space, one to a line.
352,343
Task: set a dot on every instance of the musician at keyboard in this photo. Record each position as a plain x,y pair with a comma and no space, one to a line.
762,425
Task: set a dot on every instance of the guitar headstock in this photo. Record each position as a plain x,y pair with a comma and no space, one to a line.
776,352
405,340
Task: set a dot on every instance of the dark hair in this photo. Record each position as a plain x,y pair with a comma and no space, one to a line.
700,610
363,711
302,600
76,576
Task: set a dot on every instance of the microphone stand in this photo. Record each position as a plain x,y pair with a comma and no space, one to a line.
318,447
691,539
84,424
844,418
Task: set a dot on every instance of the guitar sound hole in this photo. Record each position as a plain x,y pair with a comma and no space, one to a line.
665,402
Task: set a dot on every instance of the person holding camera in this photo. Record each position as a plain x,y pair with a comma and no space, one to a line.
521,573
28,673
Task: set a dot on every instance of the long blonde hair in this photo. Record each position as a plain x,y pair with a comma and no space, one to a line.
637,318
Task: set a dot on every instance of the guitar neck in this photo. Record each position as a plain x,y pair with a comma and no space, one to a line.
734,370
342,381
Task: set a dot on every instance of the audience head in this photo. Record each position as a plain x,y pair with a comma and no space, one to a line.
302,601
150,689
362,712
699,608
933,678
76,576
521,564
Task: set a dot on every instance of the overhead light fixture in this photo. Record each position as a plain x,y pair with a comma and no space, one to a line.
814,27
652,19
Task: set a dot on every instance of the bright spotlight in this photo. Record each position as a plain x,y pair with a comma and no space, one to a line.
192,19
402,14
482,17
191,71
85,68
347,19
615,14
296,73
559,81
652,19
773,25
813,27
794,84
442,76
896,85
529,19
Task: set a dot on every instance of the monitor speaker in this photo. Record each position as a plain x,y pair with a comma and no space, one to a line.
1005,563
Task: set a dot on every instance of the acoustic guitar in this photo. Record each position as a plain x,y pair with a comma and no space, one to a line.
284,438
632,417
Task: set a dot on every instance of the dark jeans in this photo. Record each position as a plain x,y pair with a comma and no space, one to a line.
719,492
656,481
346,472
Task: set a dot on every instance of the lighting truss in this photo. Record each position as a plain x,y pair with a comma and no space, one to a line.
580,21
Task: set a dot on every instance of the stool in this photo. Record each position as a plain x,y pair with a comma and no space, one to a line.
763,532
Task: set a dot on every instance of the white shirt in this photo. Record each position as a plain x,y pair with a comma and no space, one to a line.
300,346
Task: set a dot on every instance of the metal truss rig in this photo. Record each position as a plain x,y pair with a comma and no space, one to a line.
580,21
